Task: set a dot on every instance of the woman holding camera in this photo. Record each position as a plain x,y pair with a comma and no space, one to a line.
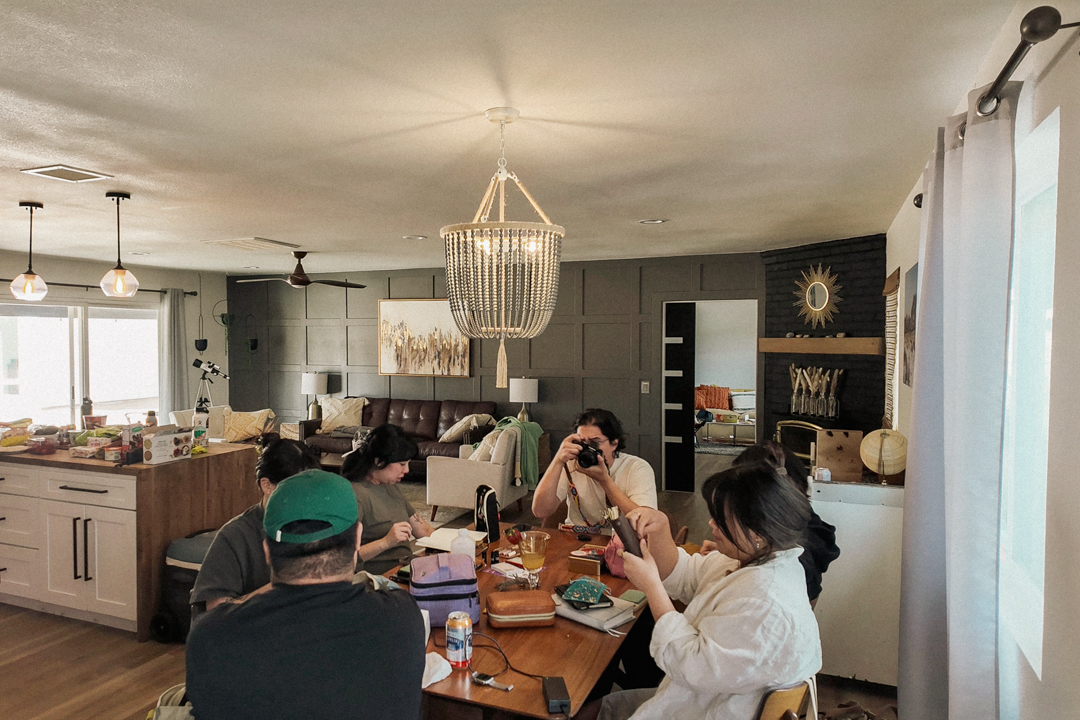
591,472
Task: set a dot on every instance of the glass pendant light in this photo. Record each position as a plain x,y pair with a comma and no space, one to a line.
119,282
29,286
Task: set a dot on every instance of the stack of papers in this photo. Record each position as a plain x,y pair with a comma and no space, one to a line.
441,538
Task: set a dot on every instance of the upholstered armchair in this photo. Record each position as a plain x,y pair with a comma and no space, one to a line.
453,481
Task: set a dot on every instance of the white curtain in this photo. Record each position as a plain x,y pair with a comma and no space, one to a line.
949,586
172,354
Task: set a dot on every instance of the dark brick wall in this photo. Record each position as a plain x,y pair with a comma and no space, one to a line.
859,264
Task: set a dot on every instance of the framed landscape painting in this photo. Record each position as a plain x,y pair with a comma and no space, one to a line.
419,337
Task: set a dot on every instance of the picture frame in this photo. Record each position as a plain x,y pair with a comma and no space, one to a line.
419,338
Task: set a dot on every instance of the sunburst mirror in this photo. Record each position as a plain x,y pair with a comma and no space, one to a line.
817,296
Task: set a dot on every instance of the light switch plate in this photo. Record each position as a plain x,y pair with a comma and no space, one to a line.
644,387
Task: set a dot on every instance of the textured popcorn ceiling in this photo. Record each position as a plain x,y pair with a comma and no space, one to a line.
342,126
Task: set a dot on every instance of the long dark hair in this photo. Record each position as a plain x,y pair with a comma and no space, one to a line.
606,422
778,456
385,445
758,498
280,458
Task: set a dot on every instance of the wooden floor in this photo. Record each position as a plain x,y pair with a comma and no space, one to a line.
55,668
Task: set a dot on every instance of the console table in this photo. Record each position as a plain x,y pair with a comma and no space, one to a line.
87,538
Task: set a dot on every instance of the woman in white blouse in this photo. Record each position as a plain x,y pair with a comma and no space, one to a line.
748,626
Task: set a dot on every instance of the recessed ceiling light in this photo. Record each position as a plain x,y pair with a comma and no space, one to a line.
67,173
414,237
251,267
133,252
653,221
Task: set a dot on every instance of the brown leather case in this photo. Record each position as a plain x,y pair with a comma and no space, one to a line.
525,608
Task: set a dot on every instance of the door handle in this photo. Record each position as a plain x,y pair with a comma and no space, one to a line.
75,546
86,550
77,489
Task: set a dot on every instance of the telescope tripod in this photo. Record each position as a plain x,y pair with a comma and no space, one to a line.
204,401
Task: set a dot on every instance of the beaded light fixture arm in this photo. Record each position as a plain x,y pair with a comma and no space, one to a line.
502,278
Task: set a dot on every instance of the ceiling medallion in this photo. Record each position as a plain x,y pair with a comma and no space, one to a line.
817,296
502,277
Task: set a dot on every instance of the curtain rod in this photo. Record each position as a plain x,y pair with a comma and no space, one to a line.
1038,25
192,293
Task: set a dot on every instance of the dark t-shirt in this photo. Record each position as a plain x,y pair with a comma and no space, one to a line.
235,563
380,506
309,651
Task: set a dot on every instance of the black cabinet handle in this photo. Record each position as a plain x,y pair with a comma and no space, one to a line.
2,519
96,492
3,569
86,550
75,546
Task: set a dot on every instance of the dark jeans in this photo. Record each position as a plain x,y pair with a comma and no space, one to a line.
639,670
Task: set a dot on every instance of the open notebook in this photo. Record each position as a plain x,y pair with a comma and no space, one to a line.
441,538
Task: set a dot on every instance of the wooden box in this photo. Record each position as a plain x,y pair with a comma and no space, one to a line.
838,450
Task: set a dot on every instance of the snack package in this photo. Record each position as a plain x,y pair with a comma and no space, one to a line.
200,426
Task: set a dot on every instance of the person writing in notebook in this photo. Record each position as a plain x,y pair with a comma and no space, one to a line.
618,479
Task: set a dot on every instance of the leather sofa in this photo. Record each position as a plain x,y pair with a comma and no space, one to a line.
424,421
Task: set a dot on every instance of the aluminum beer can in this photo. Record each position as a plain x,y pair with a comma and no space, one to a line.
459,639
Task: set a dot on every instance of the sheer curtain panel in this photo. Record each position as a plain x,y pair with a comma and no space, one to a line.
173,382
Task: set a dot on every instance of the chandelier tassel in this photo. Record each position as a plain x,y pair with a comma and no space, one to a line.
500,372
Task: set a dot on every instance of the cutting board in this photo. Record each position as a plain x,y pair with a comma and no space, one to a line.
838,450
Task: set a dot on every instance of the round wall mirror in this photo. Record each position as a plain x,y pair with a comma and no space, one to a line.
817,296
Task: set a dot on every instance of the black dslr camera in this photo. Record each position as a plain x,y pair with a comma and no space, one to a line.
589,456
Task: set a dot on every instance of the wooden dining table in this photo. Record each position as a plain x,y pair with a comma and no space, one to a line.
575,652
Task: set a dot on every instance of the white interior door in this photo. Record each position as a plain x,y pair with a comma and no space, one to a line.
110,561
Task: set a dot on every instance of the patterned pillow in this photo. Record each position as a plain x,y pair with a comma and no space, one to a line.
243,425
464,425
341,411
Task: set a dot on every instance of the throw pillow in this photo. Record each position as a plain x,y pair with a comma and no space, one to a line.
341,411
243,425
464,425
358,438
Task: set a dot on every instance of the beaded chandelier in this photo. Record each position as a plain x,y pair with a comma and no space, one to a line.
502,278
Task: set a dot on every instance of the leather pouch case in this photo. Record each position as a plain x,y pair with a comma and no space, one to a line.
527,608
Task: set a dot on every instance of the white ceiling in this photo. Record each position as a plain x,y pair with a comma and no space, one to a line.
343,125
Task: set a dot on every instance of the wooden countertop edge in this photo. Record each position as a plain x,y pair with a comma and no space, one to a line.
61,459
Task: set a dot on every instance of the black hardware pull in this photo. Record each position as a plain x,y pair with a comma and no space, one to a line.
2,519
86,550
3,569
96,492
75,546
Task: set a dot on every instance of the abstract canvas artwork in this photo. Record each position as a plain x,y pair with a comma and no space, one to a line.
419,337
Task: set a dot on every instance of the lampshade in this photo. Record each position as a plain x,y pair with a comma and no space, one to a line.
884,452
28,285
502,278
313,383
119,282
524,390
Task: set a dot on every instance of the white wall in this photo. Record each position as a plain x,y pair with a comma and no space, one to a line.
725,345
54,270
1052,74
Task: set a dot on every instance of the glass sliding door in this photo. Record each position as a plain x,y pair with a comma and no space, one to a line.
37,363
122,355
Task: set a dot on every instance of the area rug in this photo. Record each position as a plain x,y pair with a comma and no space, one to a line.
415,492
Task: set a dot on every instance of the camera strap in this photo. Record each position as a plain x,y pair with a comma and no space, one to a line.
587,529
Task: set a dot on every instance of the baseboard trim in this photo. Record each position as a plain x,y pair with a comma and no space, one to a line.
96,618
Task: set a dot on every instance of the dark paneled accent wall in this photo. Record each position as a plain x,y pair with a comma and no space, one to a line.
859,264
604,339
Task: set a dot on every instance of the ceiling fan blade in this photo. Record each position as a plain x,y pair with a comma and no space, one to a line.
339,283
248,280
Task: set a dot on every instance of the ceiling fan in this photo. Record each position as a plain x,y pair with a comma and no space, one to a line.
298,278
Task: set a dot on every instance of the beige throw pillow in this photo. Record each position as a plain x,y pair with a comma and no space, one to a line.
338,412
243,425
464,425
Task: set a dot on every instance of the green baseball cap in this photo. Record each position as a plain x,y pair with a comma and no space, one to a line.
310,495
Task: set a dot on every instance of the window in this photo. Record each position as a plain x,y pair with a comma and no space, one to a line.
1027,391
54,355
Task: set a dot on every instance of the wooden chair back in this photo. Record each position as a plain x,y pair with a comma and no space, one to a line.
783,703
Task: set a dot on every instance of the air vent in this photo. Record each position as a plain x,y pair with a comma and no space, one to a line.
252,243
67,173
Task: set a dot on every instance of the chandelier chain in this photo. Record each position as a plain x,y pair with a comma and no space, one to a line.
502,144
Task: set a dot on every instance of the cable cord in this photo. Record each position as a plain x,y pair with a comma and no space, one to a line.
497,647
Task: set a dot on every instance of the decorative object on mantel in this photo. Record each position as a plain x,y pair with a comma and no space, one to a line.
817,296
813,391
502,278
119,282
30,286
885,452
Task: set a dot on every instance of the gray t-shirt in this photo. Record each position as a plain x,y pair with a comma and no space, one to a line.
380,506
235,564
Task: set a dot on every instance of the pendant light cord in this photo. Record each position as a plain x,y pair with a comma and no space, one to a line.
117,199
30,257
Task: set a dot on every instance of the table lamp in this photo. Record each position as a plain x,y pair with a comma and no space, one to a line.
524,390
313,384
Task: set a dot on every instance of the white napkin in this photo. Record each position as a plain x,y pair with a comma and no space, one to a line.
436,668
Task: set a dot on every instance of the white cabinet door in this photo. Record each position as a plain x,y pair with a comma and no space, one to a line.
19,517
19,571
61,525
19,480
110,548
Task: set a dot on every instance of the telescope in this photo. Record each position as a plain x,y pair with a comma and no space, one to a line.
208,367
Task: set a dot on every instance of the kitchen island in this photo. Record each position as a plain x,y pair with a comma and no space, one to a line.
87,538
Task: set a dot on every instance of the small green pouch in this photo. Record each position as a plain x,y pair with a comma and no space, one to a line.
585,590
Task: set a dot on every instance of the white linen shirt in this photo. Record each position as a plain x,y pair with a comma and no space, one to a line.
631,474
744,631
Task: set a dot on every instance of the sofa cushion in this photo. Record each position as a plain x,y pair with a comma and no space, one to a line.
429,448
469,422
340,412
453,411
376,412
418,418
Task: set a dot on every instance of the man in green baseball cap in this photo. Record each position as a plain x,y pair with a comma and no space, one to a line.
315,645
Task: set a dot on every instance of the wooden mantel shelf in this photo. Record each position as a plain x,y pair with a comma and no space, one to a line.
823,346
